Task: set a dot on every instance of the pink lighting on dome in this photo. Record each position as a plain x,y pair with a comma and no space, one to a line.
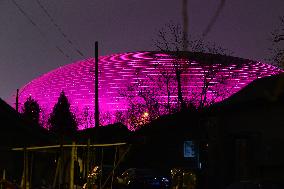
142,70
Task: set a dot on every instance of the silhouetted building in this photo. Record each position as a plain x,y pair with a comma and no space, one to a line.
16,132
238,139
246,134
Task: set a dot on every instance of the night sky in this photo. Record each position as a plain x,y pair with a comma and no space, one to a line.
34,34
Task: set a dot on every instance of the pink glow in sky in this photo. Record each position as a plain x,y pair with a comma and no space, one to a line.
141,70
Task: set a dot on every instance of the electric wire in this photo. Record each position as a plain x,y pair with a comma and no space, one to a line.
214,18
27,16
24,13
59,29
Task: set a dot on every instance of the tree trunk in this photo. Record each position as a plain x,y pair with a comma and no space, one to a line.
180,98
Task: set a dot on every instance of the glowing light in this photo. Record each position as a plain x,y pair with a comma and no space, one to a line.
146,114
147,71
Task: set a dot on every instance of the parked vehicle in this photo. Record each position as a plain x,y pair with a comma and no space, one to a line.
134,178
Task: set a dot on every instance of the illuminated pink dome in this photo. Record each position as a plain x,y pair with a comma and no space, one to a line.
127,80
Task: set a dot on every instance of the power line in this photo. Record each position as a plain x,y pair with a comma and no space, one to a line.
27,16
185,24
59,29
214,18
24,13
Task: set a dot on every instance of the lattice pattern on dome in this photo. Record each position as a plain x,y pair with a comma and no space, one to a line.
126,74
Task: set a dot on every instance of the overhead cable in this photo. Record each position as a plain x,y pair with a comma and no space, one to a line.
24,13
214,18
58,28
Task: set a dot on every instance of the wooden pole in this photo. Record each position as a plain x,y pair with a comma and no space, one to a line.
4,175
56,173
88,158
61,166
114,164
97,122
17,101
71,182
30,170
25,168
101,175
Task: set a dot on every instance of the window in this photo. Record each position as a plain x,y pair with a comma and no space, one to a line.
189,149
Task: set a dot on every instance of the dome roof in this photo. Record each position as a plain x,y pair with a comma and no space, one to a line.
137,81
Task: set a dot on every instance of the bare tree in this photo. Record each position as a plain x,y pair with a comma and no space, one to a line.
120,117
167,78
170,40
87,118
278,44
142,101
147,102
212,59
214,86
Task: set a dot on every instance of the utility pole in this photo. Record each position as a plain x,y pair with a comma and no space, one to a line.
97,122
17,101
185,24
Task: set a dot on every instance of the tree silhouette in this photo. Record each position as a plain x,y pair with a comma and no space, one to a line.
278,44
170,40
31,111
62,121
142,101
